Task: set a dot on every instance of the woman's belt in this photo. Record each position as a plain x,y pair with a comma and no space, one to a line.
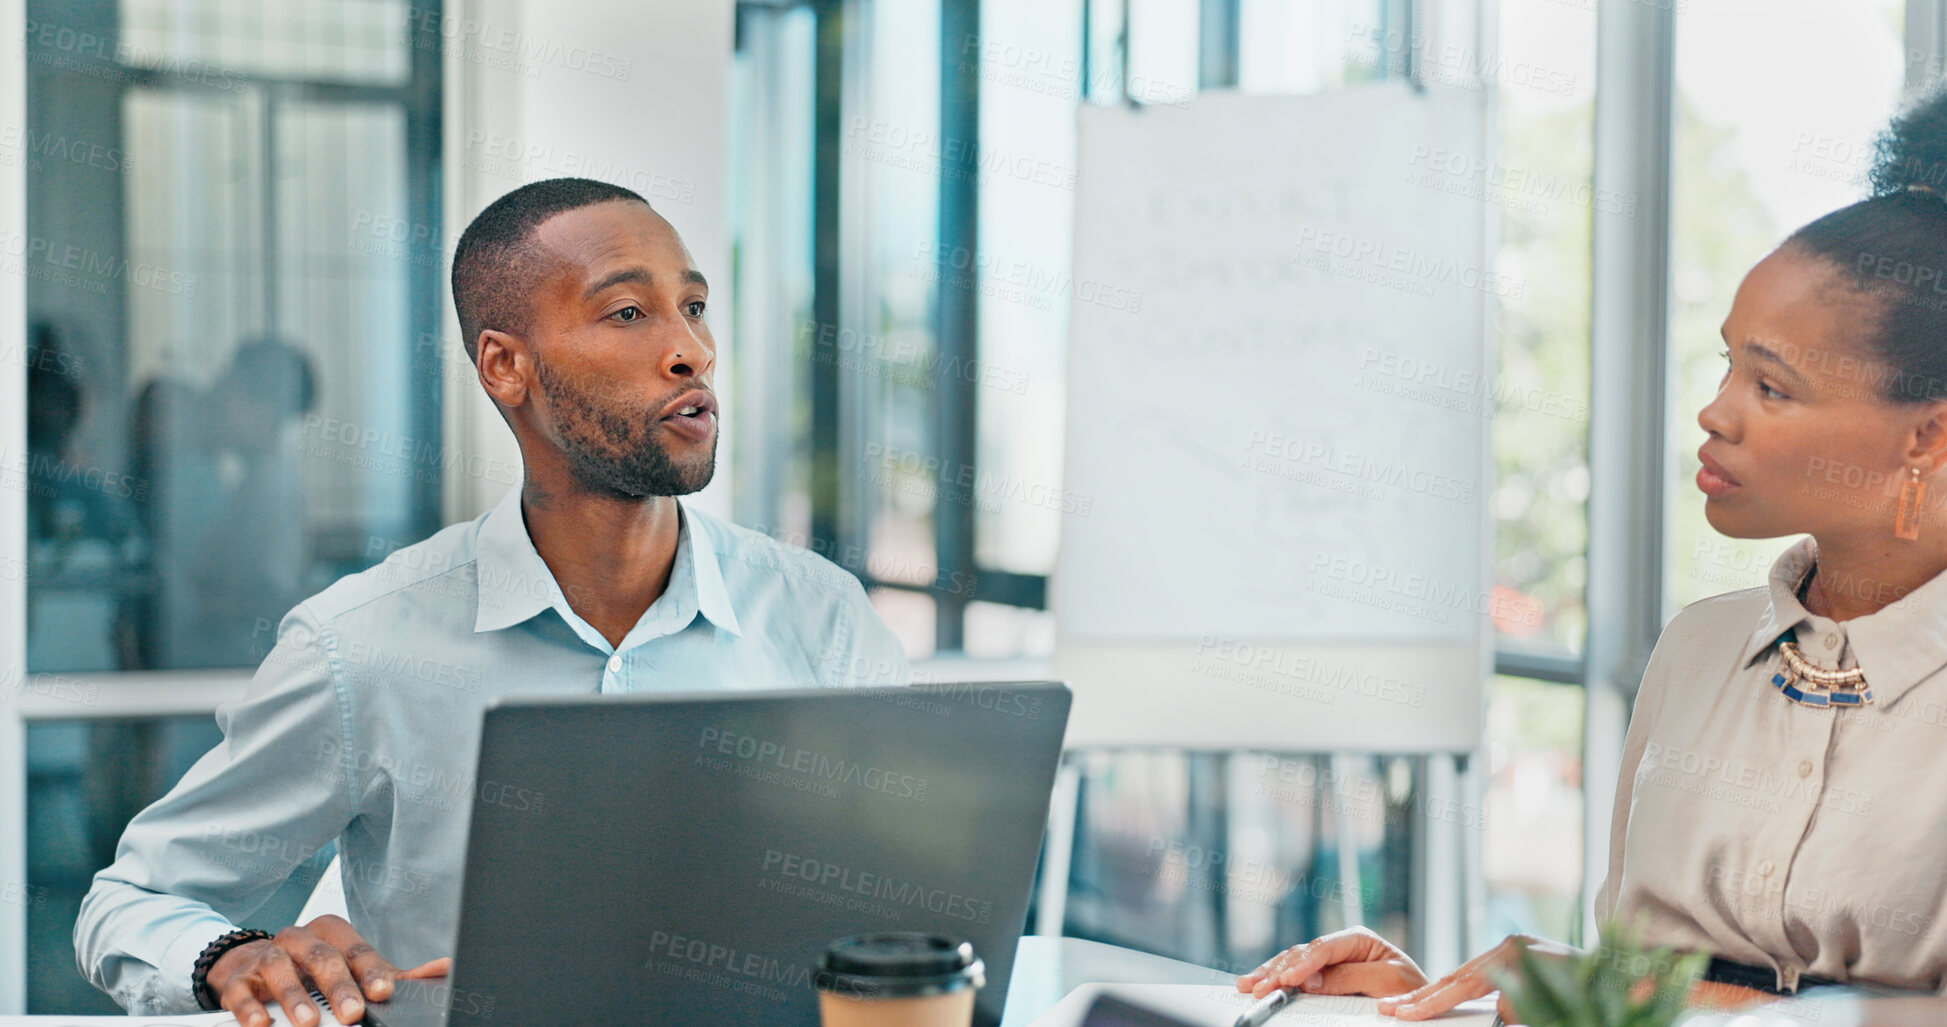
1758,978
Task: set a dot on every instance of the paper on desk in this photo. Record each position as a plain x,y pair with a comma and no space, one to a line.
1208,1005
277,1019
185,1020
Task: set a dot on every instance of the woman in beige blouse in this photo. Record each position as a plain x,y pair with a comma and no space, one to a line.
1783,802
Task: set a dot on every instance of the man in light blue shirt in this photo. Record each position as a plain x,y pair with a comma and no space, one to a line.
583,313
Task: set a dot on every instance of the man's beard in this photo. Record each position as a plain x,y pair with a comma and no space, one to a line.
611,450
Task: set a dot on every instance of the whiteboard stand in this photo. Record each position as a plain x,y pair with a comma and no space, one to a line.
1441,933
1287,302
1451,905
1352,903
1051,905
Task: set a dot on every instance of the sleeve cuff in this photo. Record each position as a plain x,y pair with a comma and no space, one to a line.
172,991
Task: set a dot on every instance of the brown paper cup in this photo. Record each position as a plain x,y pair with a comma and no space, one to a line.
954,1009
898,979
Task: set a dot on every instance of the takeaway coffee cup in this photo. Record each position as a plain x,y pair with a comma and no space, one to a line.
899,979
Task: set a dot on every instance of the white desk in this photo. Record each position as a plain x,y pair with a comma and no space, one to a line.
1045,969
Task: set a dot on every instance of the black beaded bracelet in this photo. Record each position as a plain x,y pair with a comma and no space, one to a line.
199,984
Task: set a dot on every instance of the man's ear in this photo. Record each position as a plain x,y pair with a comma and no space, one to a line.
505,366
1929,447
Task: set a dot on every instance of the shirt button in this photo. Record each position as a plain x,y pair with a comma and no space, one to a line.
1765,868
1832,641
1804,768
614,664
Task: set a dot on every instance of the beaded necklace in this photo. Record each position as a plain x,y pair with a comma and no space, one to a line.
1809,684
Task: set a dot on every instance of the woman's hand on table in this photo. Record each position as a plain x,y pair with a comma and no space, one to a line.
1359,962
1474,979
1350,962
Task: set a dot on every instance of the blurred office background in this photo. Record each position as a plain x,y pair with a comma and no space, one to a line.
224,231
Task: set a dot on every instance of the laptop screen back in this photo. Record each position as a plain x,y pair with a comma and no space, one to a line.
687,859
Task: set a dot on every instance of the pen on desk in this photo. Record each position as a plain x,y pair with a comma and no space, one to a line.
1264,1009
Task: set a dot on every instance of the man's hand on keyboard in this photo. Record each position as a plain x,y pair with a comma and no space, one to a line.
326,954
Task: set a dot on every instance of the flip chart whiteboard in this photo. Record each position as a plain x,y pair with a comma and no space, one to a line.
1280,393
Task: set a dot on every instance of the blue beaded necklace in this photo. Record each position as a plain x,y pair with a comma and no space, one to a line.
1820,687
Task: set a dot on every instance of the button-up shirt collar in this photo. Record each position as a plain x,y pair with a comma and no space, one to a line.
516,584
1897,647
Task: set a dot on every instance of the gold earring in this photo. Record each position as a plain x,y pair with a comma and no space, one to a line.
1913,495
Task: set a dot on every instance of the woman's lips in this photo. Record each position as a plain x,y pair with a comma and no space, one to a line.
1713,479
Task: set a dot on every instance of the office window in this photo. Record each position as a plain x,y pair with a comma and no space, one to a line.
1764,144
839,240
233,268
924,254
1757,154
1304,48
894,164
773,101
913,430
1540,186
363,41
1163,41
1026,207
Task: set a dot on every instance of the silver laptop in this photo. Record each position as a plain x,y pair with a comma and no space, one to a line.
696,853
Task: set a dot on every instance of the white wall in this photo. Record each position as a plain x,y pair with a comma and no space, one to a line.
635,93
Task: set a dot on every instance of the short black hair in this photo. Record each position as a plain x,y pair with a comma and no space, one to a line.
1891,248
494,265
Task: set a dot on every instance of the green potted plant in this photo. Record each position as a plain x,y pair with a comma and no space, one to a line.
1619,983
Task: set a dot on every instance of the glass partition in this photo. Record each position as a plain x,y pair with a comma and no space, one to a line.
224,307
232,249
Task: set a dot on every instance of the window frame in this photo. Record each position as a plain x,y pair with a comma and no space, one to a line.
840,511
